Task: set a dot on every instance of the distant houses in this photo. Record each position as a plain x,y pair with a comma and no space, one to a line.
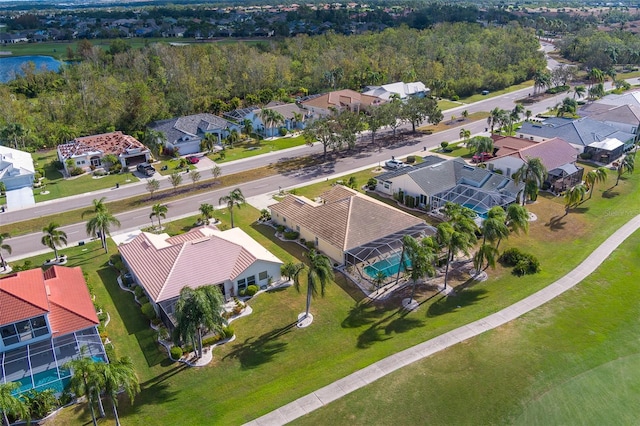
88,152
339,100
271,118
399,89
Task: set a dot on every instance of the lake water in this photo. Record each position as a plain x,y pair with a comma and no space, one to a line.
10,66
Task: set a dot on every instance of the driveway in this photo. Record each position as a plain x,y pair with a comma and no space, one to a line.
20,198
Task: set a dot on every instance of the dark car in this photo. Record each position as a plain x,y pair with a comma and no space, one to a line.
146,169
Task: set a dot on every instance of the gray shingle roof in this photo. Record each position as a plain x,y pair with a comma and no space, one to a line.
190,126
429,160
577,132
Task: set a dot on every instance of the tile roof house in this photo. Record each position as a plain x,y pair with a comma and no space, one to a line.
45,320
439,181
185,133
16,168
339,100
87,151
342,220
230,259
625,118
557,155
402,89
295,117
579,133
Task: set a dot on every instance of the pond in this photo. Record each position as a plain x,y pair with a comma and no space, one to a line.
11,66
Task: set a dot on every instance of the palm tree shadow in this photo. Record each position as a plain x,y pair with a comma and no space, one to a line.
449,304
610,193
254,352
361,314
556,223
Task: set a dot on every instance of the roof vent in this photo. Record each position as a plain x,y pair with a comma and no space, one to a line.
201,240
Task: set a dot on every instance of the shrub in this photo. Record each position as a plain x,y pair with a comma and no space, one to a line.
280,228
142,300
148,311
310,244
455,98
411,159
57,164
252,290
585,155
227,332
282,131
498,171
40,403
242,292
511,256
210,341
371,183
76,171
428,132
110,351
558,89
291,235
176,352
523,263
444,145
138,291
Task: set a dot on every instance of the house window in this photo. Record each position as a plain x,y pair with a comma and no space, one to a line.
521,136
9,335
24,330
95,161
251,280
298,228
284,219
263,276
386,186
316,241
242,284
423,199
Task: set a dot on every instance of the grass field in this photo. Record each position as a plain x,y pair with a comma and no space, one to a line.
253,147
575,361
271,363
458,120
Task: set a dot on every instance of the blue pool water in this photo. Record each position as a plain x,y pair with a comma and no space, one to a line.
45,380
388,267
482,213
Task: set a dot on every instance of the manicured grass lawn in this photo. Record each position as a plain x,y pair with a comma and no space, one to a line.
445,104
271,363
253,147
456,149
447,123
58,187
478,96
575,361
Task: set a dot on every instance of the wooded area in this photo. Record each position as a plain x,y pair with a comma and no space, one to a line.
125,89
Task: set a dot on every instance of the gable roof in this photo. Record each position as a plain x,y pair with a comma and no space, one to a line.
628,98
59,291
346,219
506,145
204,255
402,89
427,161
190,126
577,132
116,143
627,114
341,98
552,153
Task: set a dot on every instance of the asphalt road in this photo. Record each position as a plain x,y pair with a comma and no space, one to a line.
27,245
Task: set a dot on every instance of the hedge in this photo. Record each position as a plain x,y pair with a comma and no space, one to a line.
176,352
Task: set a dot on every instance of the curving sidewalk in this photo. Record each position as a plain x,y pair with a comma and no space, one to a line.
361,378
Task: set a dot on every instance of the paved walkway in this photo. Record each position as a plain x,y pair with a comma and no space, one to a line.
361,378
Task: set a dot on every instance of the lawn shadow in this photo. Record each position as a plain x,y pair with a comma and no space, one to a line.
448,304
254,352
610,193
134,322
362,313
155,394
556,223
403,324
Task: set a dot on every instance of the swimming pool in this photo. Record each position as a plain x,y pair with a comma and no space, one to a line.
479,211
389,266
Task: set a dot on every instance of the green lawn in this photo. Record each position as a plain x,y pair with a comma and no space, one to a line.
271,363
456,149
573,361
58,187
253,147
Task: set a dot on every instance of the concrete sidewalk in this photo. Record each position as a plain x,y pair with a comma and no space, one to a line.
363,377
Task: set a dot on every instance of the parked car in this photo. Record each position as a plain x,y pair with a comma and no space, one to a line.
193,160
146,169
393,164
485,92
481,158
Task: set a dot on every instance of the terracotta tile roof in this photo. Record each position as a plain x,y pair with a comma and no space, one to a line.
116,143
205,255
508,145
346,219
60,291
342,98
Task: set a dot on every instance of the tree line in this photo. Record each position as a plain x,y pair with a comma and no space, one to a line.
126,89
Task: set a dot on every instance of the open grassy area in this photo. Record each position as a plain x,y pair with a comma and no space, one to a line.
271,363
56,186
253,147
575,361
458,120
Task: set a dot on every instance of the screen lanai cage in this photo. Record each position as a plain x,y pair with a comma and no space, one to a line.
476,199
377,263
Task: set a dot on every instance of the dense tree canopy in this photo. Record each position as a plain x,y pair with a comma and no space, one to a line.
127,90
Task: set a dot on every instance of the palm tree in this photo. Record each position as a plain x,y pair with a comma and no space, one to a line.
568,106
595,176
233,199
517,219
579,91
100,225
627,165
53,237
206,210
379,279
496,116
417,260
116,377
454,241
159,211
541,79
11,404
494,227
98,206
196,311
233,137
479,145
247,127
85,380
573,196
5,247
531,171
290,269
465,135
319,274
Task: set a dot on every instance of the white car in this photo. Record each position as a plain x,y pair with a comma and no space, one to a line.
394,164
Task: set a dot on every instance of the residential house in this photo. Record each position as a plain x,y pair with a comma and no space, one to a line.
7,38
625,118
47,317
323,104
16,168
399,89
579,133
185,134
346,225
230,259
87,152
434,182
605,151
556,155
294,117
